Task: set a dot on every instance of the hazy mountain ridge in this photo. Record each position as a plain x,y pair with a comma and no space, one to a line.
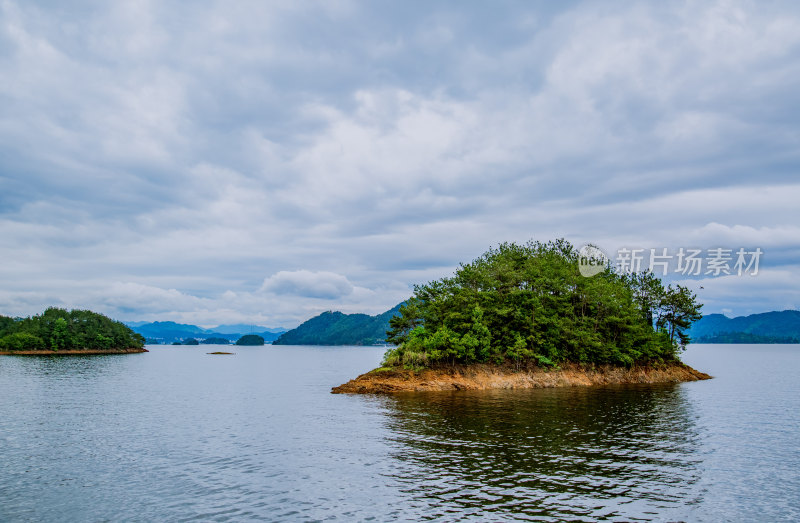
245,328
765,327
170,331
337,328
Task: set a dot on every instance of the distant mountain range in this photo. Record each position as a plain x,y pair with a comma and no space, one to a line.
169,331
767,327
243,328
336,328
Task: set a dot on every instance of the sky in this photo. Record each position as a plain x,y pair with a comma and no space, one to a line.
262,162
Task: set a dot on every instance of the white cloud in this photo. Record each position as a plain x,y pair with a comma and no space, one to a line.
162,161
777,289
130,296
323,284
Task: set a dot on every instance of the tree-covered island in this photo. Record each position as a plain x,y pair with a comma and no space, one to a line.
250,340
524,316
59,331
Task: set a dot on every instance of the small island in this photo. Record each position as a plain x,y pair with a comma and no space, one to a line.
250,340
62,332
215,341
523,316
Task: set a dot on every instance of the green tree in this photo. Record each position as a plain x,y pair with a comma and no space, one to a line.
679,310
402,324
60,338
519,351
648,293
530,303
21,341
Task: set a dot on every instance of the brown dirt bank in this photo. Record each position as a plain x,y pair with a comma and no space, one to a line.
482,377
69,352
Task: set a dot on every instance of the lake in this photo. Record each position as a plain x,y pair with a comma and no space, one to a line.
177,434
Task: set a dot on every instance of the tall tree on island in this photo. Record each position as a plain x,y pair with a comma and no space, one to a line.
679,309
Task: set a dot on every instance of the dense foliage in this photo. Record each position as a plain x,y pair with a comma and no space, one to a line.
336,328
59,329
250,339
529,303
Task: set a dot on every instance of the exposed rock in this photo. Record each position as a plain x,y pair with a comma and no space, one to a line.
482,376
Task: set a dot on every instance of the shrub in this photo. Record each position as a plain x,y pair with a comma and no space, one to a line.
21,341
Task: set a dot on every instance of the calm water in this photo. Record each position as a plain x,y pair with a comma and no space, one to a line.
178,435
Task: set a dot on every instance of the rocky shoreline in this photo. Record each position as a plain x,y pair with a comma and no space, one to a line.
484,377
70,352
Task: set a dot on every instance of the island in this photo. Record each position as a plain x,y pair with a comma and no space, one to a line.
63,332
215,341
250,339
523,316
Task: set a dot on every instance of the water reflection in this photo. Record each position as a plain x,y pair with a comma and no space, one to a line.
576,453
178,435
63,366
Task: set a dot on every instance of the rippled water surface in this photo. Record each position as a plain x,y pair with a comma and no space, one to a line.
177,434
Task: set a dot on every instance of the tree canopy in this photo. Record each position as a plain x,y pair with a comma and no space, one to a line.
59,329
529,304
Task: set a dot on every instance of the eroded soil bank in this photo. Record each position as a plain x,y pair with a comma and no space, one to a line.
482,377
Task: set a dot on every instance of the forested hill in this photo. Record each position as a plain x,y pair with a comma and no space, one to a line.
62,330
336,328
767,327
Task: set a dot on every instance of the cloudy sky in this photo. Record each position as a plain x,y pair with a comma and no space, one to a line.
261,162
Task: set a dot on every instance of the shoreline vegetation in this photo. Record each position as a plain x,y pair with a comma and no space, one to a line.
62,332
523,316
